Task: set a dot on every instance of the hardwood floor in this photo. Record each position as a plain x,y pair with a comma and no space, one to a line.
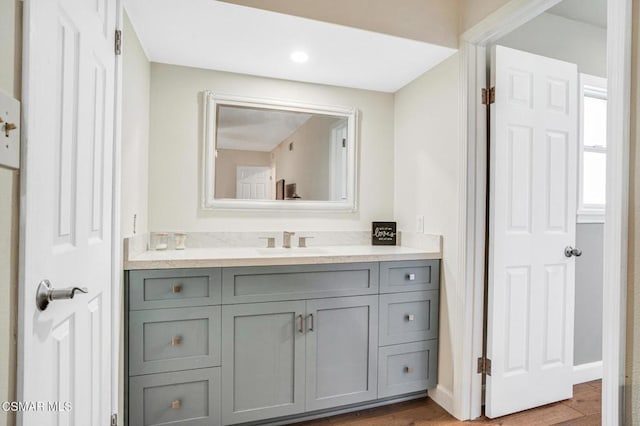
583,409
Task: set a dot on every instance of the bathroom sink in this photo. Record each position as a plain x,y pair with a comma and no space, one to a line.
294,251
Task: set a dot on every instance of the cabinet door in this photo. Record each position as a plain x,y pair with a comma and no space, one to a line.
263,361
342,351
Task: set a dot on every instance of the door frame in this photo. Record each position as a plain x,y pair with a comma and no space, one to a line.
467,402
117,267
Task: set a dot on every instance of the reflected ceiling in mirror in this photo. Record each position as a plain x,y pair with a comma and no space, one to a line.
267,154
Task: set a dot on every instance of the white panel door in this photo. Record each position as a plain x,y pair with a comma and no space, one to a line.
534,125
253,183
66,211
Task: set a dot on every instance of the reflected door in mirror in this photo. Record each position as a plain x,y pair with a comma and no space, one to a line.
253,183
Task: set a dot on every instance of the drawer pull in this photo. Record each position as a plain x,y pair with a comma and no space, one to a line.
411,277
177,288
176,341
301,327
311,328
176,405
410,317
408,369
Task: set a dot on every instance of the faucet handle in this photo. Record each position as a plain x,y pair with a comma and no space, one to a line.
271,241
302,241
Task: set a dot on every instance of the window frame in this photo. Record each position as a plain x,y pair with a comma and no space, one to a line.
595,87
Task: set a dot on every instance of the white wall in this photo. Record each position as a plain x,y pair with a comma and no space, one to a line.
176,144
10,83
427,167
556,37
136,81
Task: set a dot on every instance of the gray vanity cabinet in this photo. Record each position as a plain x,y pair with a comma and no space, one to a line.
211,346
284,358
408,328
263,358
341,341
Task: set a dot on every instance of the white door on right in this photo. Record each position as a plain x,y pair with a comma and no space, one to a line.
532,210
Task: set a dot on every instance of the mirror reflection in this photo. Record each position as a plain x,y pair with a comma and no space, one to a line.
280,154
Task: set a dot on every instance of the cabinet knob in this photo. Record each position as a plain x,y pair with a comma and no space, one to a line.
176,405
176,341
411,277
177,288
410,317
408,369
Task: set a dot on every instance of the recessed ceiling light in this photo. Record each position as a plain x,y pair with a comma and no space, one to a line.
299,57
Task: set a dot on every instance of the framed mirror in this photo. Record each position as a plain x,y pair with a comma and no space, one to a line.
278,155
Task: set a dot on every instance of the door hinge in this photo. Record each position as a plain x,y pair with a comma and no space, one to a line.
484,366
488,96
114,420
118,42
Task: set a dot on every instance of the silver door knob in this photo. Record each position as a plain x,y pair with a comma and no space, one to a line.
570,251
45,294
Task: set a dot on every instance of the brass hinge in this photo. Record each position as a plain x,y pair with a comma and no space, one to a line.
114,420
488,96
118,46
484,366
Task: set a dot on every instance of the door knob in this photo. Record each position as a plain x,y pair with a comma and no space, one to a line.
570,251
45,294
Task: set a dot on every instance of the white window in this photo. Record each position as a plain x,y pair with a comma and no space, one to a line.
593,149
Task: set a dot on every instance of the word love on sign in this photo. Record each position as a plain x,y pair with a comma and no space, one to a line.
383,233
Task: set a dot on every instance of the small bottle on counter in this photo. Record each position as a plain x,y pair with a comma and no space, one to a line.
181,240
159,241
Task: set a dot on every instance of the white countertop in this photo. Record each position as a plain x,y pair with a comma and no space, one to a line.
250,256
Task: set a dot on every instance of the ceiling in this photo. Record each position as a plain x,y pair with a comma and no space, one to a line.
592,12
250,129
215,35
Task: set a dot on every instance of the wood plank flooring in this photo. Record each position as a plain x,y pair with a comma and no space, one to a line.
583,409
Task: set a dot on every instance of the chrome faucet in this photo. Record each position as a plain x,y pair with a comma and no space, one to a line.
286,239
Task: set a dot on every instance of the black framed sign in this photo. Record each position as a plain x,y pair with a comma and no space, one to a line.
383,233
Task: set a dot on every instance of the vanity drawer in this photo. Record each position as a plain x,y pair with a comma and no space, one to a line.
182,398
414,275
174,339
275,283
410,367
408,317
174,288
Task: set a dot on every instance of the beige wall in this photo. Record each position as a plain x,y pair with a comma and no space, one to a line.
474,11
136,81
175,167
432,21
632,391
427,168
308,164
10,78
227,162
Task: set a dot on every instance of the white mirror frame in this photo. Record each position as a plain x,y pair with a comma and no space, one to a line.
209,202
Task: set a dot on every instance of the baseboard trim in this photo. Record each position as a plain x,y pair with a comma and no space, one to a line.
587,372
443,397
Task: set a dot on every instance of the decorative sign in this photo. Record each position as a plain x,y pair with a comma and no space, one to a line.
383,233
